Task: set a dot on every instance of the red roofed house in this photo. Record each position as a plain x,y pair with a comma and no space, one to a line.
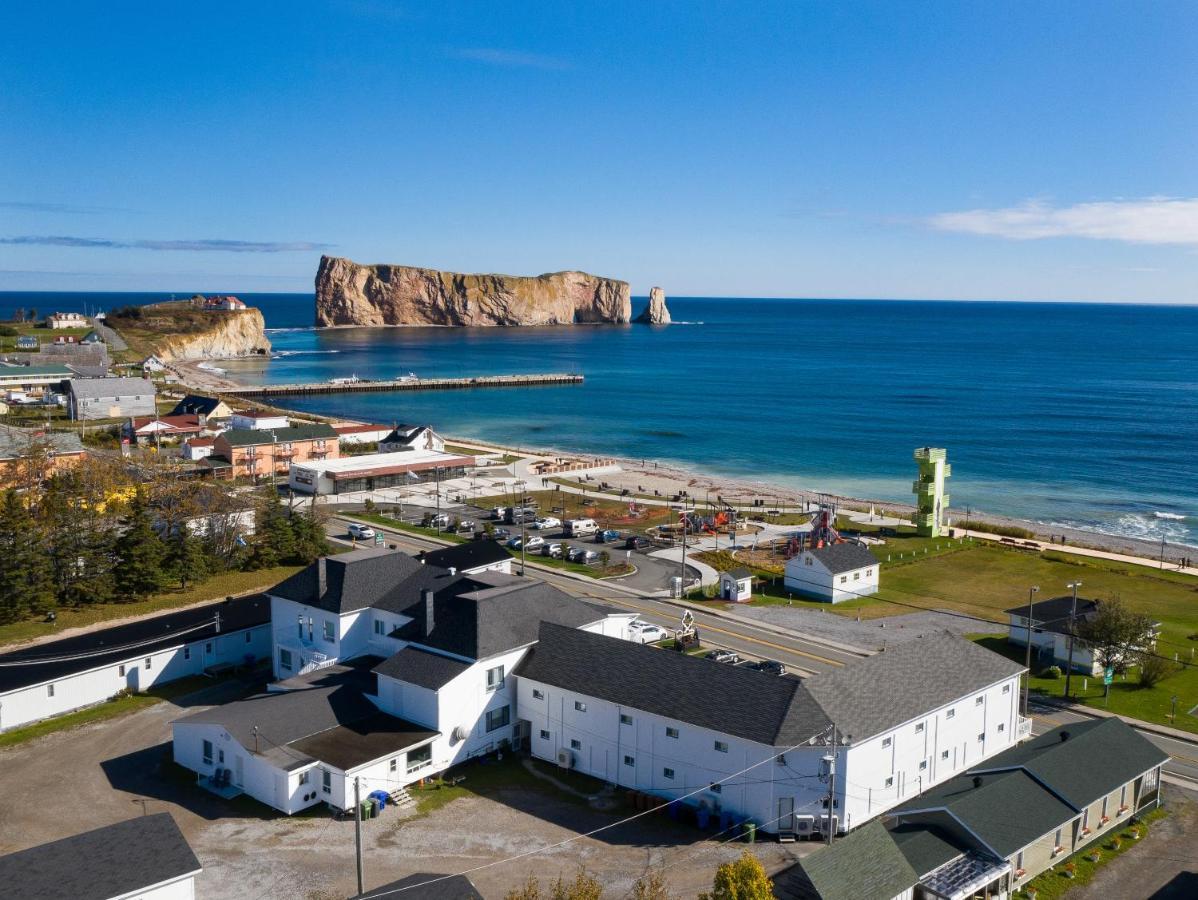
354,433
225,303
168,427
196,448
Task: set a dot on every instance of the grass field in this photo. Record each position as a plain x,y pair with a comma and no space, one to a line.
215,588
8,343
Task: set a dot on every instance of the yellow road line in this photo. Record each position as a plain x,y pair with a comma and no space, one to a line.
717,630
1185,758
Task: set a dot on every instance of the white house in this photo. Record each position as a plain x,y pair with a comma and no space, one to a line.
349,433
758,746
411,437
443,692
255,420
833,572
67,320
197,448
1050,633
145,858
152,365
470,558
736,585
61,676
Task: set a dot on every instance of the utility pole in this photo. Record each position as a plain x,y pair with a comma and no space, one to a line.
685,523
832,789
437,480
358,829
1027,678
1072,628
523,538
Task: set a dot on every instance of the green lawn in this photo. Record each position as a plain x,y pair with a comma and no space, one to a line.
218,587
45,335
1054,883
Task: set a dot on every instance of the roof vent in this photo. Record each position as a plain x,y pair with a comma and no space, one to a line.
977,781
1064,736
452,570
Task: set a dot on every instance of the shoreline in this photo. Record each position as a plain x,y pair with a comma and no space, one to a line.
645,476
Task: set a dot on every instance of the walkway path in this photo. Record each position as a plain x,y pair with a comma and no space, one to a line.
115,342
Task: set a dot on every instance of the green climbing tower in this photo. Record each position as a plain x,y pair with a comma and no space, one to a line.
931,501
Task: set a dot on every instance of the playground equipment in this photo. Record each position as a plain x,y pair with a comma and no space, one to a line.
823,529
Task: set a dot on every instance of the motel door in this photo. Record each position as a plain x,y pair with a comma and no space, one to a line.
238,770
786,815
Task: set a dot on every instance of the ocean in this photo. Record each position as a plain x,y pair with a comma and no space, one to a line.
1081,415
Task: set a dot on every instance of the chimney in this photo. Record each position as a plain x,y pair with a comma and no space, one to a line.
977,781
429,611
322,577
1064,736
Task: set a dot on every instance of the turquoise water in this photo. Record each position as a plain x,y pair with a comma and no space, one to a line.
1075,414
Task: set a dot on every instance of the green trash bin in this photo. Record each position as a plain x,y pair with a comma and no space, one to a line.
750,832
365,810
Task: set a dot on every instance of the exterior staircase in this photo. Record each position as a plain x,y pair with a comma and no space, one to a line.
402,799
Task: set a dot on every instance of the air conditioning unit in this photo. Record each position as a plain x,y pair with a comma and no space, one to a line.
460,733
823,824
804,826
565,759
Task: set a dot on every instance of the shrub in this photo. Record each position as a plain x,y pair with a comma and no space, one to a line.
1052,672
1154,670
992,528
126,312
8,331
1070,869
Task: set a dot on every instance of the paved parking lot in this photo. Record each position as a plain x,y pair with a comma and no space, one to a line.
103,773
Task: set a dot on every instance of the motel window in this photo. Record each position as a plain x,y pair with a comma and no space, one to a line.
890,782
668,773
629,761
1006,689
978,701
497,718
579,706
1085,819
49,690
328,631
284,659
919,727
715,788
625,719
844,579
187,653
575,744
393,766
248,637
1019,861
120,671
1001,727
923,765
538,695
208,648
950,714
495,678
305,777
856,576
326,781
1123,796
1104,806
419,758
545,735
378,626
886,742
981,737
149,663
671,732
207,752
868,572
944,754
721,746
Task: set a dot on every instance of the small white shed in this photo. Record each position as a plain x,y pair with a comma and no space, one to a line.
736,585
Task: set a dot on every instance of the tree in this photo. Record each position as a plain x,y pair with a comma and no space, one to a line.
743,879
188,557
583,887
274,540
1115,634
78,515
140,551
651,886
26,582
309,540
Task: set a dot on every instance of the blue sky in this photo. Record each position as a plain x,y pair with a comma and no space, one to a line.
930,150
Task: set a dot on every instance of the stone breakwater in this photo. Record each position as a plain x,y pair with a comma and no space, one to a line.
348,293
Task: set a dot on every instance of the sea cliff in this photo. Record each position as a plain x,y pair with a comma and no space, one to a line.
348,293
179,331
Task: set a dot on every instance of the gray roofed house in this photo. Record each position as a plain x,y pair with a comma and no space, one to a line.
253,437
926,847
906,681
763,708
15,443
1053,614
115,861
863,865
111,398
355,580
468,557
844,557
198,405
411,437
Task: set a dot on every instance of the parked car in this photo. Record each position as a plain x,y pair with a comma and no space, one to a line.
515,542
553,549
439,521
589,557
647,632
500,534
547,522
575,554
769,667
722,656
534,542
467,525
607,536
361,532
636,542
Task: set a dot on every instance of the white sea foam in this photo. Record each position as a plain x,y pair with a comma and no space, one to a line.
279,354
1168,515
208,367
285,330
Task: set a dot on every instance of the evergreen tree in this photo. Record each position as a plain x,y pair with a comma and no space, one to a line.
141,552
188,557
311,540
81,543
26,584
274,540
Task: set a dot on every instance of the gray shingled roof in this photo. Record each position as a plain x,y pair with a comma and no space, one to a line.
422,668
1053,614
195,404
103,388
107,862
14,442
926,847
1095,758
469,555
251,437
739,572
903,682
845,557
758,707
862,865
356,580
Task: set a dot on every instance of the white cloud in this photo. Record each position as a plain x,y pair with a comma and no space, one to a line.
1152,220
511,59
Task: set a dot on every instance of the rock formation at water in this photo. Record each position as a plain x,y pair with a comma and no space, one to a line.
655,313
348,293
232,333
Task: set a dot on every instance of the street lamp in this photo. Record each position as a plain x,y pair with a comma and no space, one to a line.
1027,678
1072,628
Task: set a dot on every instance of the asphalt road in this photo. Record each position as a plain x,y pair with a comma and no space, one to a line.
798,654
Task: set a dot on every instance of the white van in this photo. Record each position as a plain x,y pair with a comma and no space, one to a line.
580,527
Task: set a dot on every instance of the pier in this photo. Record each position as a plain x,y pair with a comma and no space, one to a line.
402,384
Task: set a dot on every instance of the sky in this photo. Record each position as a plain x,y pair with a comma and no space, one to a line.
941,150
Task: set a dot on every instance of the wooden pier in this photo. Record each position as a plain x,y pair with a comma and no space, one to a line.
402,384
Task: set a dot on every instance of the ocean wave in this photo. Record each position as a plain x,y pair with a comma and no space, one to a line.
279,354
1168,515
285,330
676,322
1134,526
208,367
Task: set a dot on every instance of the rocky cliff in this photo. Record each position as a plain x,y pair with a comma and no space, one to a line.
656,312
348,293
226,335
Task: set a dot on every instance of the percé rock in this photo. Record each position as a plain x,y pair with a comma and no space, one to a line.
656,312
348,293
232,333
